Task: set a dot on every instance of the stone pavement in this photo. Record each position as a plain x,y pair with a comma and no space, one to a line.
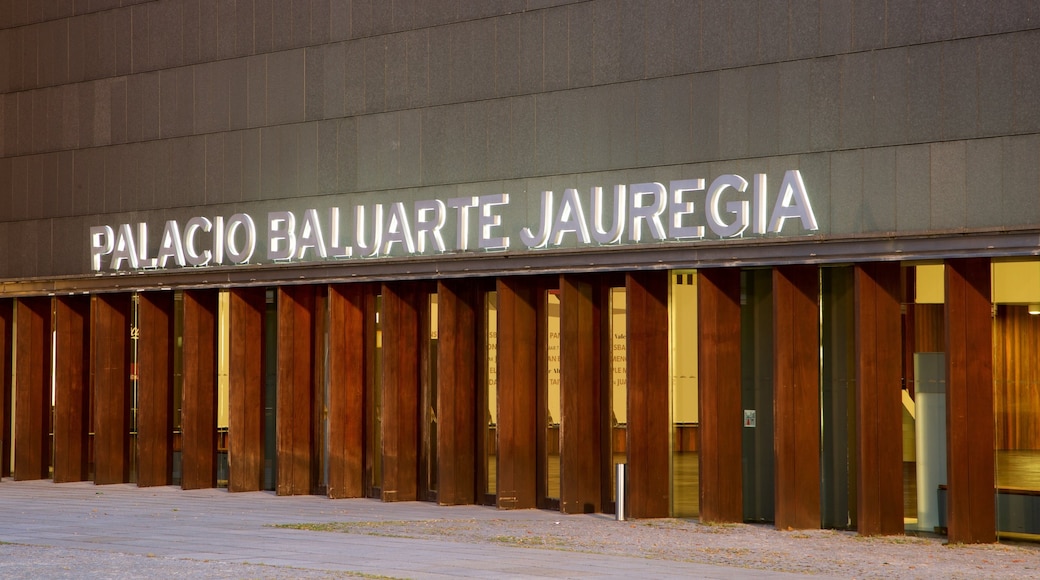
217,526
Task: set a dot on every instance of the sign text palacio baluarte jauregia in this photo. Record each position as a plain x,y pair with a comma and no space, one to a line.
683,210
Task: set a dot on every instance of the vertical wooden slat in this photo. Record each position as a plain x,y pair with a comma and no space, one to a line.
72,387
719,363
32,388
155,389
6,326
199,390
878,400
649,428
348,375
517,383
971,516
113,389
247,307
400,391
796,375
459,306
295,389
581,435
319,331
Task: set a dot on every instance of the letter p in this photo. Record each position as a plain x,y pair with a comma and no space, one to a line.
102,242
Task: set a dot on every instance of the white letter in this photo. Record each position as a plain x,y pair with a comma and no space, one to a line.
429,225
281,231
335,249
101,243
359,229
463,204
677,208
737,208
529,238
124,248
570,218
486,220
142,246
194,225
398,229
218,239
170,246
758,212
613,235
310,235
792,202
234,252
650,213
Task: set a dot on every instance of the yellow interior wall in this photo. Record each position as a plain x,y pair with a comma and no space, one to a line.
223,356
683,317
931,284
492,355
618,356
553,368
1016,282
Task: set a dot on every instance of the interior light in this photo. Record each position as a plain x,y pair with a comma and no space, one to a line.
1034,309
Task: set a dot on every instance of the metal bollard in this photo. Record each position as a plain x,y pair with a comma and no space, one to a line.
620,503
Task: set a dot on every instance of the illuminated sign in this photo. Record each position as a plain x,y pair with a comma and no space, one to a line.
630,214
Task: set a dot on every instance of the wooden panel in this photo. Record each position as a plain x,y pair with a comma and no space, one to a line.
400,435
459,307
296,313
6,326
796,376
517,385
32,389
347,380
718,345
1016,370
72,387
155,389
199,390
929,332
247,307
970,425
581,424
879,411
113,394
649,428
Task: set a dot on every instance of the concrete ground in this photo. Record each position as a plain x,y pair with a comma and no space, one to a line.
80,530
122,531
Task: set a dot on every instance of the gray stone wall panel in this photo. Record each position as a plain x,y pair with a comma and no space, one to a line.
580,45
212,97
984,182
1027,82
804,29
733,112
704,93
857,100
996,94
913,188
879,190
606,40
1021,180
960,89
176,102
948,186
890,96
846,187
555,47
924,87
825,101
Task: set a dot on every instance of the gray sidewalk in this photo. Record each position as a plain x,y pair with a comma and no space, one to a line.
220,527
